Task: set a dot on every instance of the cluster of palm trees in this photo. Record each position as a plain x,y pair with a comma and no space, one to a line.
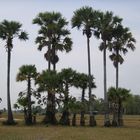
54,35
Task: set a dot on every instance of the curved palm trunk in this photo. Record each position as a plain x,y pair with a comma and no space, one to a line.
92,121
29,116
106,117
82,118
10,114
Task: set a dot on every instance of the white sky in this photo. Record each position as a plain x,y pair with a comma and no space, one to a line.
26,52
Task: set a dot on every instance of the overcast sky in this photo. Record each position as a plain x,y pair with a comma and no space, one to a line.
26,52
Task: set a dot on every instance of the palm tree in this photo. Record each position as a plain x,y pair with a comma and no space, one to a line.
8,31
53,34
49,81
85,18
106,23
22,103
118,96
123,40
27,73
66,81
81,81
75,107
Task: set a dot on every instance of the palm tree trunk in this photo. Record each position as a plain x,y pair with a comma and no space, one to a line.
106,118
82,118
29,120
49,62
120,113
92,121
65,115
117,72
54,120
115,115
10,114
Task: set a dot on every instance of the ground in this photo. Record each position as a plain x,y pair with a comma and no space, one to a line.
131,131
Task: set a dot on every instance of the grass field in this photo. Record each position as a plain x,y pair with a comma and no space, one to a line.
130,131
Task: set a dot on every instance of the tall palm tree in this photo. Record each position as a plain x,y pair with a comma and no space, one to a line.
8,31
106,23
123,40
85,18
27,73
53,35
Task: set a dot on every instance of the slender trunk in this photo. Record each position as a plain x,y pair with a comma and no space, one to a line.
10,114
54,64
106,117
49,62
92,121
53,95
54,121
117,72
29,121
82,118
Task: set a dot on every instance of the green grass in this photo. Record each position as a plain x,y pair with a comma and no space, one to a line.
131,131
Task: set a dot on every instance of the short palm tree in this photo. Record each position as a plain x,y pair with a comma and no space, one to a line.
8,31
81,81
49,81
106,23
123,40
66,81
117,97
27,73
85,18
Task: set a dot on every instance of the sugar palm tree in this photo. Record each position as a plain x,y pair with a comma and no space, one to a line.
53,35
81,81
106,23
123,41
66,81
118,96
85,18
27,73
49,81
8,31
22,103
